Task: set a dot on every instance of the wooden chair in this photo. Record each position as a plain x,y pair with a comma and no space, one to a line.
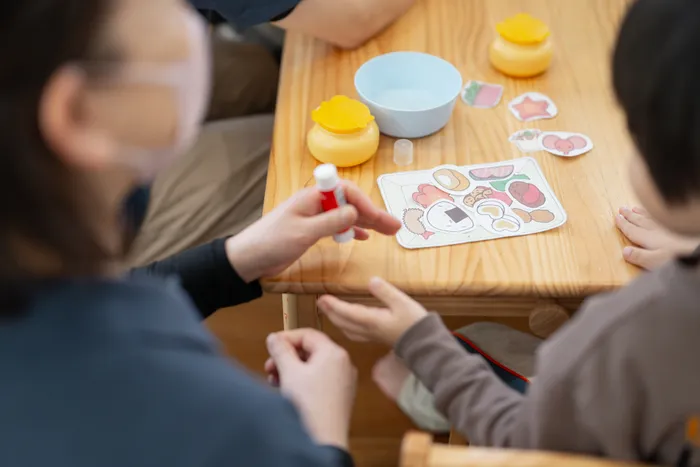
418,450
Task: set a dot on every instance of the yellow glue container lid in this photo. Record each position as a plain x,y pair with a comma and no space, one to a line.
342,115
523,29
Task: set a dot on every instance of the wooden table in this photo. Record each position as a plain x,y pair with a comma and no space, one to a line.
503,277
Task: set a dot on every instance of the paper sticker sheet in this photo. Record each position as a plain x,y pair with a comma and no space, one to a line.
449,205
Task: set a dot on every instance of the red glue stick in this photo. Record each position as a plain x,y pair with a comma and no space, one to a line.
332,196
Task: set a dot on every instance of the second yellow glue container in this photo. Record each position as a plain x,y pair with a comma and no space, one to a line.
345,133
523,47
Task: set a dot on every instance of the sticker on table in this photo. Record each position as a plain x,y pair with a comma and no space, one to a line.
533,106
448,217
482,95
504,199
561,143
527,140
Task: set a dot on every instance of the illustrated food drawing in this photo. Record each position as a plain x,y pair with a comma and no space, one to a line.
451,179
412,220
541,216
527,194
448,217
564,145
481,193
506,224
492,173
428,194
493,209
501,184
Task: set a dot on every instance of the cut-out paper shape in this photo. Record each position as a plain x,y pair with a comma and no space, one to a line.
448,217
492,173
561,143
428,194
541,216
506,224
482,95
526,194
533,106
451,179
412,220
526,140
481,193
502,184
491,208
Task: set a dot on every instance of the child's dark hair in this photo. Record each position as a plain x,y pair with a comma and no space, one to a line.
656,76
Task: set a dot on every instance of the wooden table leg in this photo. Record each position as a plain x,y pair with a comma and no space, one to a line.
300,311
290,312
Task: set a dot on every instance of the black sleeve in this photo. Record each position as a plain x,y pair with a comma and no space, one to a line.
246,13
207,276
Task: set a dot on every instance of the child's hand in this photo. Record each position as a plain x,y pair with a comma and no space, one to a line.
386,325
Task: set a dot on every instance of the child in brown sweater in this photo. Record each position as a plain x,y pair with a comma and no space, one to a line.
621,379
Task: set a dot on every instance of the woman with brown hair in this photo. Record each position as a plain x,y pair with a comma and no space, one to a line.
104,368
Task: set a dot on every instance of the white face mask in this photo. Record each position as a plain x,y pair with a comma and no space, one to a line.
191,81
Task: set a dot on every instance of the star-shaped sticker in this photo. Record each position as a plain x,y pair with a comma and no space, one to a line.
530,109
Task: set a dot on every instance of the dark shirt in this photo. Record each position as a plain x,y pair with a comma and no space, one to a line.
122,373
246,13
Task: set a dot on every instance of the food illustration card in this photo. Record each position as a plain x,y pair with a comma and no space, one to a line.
449,205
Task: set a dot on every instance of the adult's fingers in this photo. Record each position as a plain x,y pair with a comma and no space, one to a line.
332,222
307,341
283,353
390,295
361,234
645,259
370,215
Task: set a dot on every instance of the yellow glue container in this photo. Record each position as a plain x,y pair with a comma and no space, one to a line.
345,133
523,48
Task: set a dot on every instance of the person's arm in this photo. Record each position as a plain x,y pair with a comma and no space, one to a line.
481,407
344,23
207,276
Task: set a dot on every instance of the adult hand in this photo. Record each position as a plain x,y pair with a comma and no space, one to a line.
317,375
273,243
362,323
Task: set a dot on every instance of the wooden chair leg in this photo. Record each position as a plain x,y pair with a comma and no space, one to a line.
415,449
457,439
546,318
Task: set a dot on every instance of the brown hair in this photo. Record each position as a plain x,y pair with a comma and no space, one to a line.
40,203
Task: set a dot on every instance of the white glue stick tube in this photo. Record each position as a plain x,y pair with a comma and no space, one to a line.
332,196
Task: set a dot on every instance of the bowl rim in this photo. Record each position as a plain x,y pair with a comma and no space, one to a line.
408,52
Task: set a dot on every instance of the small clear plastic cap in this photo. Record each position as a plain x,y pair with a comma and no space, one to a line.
403,152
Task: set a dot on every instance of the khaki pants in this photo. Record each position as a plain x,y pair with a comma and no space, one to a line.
217,188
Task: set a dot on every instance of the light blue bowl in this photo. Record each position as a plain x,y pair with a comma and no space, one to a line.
411,94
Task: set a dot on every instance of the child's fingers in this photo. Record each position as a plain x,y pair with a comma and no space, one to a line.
348,326
633,233
356,316
389,295
645,259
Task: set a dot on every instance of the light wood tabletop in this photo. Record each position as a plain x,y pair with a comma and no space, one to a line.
581,258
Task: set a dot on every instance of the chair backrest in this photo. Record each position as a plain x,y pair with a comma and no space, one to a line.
418,450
